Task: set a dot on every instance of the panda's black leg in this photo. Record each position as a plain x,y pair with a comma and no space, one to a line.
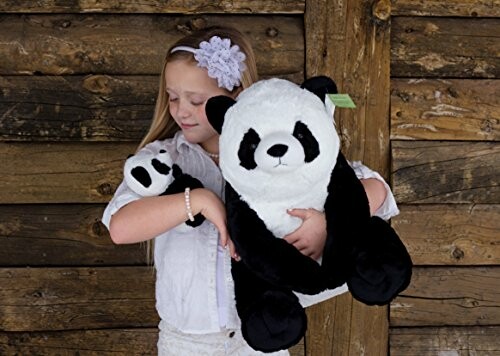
272,318
373,259
382,265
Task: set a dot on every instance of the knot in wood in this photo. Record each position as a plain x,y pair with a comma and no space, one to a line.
105,189
197,23
457,253
381,10
96,228
272,32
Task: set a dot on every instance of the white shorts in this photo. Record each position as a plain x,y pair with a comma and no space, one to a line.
172,342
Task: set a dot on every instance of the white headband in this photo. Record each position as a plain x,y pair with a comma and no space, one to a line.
222,61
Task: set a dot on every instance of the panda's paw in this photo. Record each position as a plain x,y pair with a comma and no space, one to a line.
382,267
148,173
275,322
198,220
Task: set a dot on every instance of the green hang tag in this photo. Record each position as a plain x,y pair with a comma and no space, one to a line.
342,100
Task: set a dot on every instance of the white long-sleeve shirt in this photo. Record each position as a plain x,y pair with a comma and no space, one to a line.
194,286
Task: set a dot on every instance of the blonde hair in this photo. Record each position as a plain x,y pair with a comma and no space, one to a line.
163,125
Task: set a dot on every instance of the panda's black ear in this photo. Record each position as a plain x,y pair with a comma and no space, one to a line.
216,108
320,85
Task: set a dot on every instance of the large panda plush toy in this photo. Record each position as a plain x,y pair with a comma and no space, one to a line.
279,150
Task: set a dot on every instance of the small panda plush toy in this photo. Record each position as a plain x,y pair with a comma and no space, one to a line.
279,150
149,174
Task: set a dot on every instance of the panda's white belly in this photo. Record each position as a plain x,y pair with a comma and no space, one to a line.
274,214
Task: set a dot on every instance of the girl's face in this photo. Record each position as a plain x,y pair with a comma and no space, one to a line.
189,87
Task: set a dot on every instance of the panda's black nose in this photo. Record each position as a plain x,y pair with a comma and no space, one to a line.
277,150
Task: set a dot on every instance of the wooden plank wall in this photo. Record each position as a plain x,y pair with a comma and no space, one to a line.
78,82
349,41
445,131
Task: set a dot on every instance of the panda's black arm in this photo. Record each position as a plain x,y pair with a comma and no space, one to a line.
271,258
346,211
180,183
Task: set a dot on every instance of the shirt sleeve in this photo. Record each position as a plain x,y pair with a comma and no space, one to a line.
389,208
122,197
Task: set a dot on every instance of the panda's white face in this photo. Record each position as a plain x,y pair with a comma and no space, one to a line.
278,151
148,174
278,139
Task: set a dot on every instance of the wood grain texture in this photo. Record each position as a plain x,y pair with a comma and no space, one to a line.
441,296
38,299
61,235
445,109
439,8
459,341
155,6
445,47
349,42
61,173
109,342
74,108
78,108
134,44
446,172
450,234
81,342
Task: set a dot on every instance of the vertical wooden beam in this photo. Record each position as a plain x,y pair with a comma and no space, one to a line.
350,41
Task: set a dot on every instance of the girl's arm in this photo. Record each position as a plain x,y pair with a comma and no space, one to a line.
146,218
310,237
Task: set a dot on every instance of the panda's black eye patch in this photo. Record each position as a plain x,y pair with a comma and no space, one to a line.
141,175
246,152
160,167
311,147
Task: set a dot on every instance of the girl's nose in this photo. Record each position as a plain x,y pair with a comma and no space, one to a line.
183,110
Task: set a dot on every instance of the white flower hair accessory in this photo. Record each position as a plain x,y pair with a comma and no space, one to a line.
222,61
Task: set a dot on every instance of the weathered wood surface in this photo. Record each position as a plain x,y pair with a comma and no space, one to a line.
155,6
449,296
89,343
445,47
349,41
60,108
61,172
446,172
81,342
450,234
60,235
38,299
466,8
134,44
457,341
341,319
445,109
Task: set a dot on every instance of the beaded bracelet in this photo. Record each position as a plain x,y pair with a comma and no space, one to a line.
188,204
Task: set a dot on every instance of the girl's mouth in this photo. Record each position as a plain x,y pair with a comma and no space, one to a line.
187,126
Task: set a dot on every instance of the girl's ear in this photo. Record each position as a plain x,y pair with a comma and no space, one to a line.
216,108
320,85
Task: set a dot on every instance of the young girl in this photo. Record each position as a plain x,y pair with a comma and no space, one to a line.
194,288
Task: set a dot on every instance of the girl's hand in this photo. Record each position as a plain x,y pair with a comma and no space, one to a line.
310,237
209,205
